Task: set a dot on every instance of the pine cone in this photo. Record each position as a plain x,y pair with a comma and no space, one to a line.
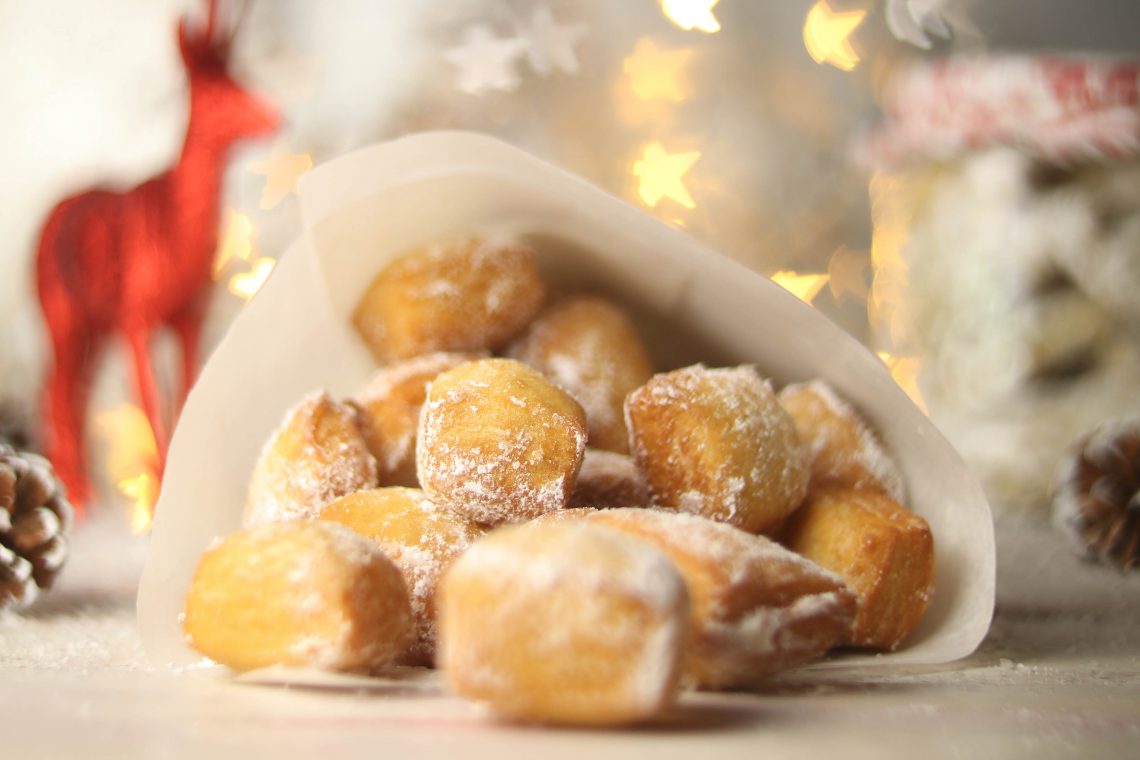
1098,496
34,519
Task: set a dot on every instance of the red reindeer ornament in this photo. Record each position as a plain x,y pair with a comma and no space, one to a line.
138,260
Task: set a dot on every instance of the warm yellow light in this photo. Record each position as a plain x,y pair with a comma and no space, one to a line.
143,491
657,73
132,457
905,371
236,241
246,284
827,35
847,270
692,14
282,170
660,175
803,286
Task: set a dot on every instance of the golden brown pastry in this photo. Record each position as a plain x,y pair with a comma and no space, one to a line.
419,536
300,593
465,295
499,442
842,449
608,480
757,608
391,405
317,455
589,347
564,623
884,553
715,442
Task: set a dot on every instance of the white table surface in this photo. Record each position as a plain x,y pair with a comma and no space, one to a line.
1058,676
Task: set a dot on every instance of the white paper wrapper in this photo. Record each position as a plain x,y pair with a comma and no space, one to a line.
693,305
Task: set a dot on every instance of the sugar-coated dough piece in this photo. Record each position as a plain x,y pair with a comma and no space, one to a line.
842,449
465,295
499,442
717,443
884,552
564,623
420,537
317,455
587,345
300,593
608,480
391,405
561,515
757,608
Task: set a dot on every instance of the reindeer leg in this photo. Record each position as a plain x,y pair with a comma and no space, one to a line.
67,389
188,327
148,392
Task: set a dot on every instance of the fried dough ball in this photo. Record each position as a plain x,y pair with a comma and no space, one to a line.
608,480
391,405
317,455
884,552
587,345
563,515
715,442
499,442
842,449
757,608
564,623
466,295
300,593
419,536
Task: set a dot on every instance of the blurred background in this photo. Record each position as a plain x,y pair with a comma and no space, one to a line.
751,125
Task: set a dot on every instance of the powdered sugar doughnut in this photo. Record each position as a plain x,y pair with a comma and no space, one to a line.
884,552
317,455
300,593
420,537
499,442
716,442
564,623
391,405
466,295
608,480
757,608
840,446
588,346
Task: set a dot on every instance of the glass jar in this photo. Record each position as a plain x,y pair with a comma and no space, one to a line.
1006,254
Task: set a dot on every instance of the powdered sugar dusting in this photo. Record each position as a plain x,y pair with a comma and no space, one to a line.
317,455
608,480
499,451
757,607
577,574
841,445
715,442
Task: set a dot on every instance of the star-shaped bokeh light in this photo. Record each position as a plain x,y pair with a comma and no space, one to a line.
692,14
552,43
655,72
485,62
282,170
803,286
660,175
827,35
245,284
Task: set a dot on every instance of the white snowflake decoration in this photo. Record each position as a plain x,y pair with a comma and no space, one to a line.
552,43
486,62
